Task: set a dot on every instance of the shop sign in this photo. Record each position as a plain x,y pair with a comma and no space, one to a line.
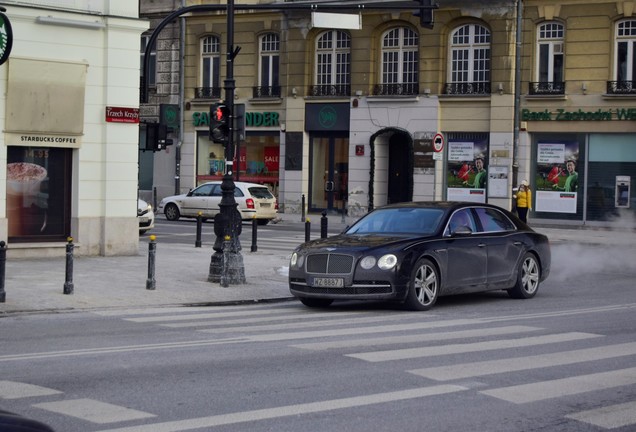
6,38
579,115
122,115
252,119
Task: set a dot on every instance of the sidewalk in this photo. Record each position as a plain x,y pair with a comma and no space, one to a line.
181,273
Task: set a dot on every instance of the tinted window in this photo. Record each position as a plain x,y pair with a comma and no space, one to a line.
419,221
493,220
461,218
203,190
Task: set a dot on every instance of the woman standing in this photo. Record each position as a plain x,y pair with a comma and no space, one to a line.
524,201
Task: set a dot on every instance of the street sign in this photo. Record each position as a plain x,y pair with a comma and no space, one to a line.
438,142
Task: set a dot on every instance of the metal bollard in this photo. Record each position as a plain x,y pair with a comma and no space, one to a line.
151,284
302,208
68,284
323,225
3,262
307,229
197,242
254,247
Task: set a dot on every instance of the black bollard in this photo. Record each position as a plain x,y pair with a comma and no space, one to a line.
307,229
302,208
3,262
197,242
323,225
254,248
68,284
151,284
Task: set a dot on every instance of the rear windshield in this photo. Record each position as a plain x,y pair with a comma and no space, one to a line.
261,192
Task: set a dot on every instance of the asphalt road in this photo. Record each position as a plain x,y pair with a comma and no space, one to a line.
563,361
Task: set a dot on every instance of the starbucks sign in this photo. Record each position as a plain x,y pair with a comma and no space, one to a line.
6,37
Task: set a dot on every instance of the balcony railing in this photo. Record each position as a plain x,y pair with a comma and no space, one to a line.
546,88
266,92
330,90
207,92
621,87
409,89
467,88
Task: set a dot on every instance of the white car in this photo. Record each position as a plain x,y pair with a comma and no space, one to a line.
254,201
145,215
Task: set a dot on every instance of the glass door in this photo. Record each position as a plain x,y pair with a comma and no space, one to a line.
329,173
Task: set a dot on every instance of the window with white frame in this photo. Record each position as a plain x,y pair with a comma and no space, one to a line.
333,64
210,67
152,64
269,70
400,56
625,58
469,60
549,65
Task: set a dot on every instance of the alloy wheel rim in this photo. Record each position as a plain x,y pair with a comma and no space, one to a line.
530,276
425,285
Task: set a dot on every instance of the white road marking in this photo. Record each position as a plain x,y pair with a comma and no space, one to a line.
409,353
474,369
291,410
18,390
187,316
392,340
94,411
609,417
353,331
260,319
564,387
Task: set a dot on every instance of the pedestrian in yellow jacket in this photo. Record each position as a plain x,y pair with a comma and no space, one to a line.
524,201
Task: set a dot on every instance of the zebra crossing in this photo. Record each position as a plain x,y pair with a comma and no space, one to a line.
398,339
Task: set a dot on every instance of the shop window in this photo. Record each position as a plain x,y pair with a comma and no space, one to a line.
625,66
257,162
399,74
269,70
333,64
38,193
210,69
469,68
152,64
549,62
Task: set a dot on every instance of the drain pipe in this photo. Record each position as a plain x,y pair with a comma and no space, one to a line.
517,103
177,155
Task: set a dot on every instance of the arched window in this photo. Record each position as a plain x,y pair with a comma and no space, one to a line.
333,64
550,61
469,60
210,67
269,68
400,59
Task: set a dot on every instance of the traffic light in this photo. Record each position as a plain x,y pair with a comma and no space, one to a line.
426,13
220,123
156,137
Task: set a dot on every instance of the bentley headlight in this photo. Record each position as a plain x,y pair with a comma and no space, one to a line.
387,262
367,262
296,260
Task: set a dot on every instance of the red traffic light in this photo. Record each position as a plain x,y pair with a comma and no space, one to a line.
220,113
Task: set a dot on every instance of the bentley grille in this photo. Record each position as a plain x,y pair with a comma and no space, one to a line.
330,264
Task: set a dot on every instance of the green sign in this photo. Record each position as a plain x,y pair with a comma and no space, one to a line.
562,114
252,119
6,38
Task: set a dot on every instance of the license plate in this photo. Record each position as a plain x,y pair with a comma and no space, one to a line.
329,282
143,219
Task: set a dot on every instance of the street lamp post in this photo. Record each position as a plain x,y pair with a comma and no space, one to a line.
226,263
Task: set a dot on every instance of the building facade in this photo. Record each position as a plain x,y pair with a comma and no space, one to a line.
69,104
392,111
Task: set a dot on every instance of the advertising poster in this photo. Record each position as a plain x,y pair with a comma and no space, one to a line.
467,171
498,181
557,179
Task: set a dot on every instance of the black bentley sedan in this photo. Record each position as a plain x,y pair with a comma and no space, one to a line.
415,252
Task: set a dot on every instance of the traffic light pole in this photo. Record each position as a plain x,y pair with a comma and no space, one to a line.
226,264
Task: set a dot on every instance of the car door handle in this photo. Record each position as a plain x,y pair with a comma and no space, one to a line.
518,243
481,245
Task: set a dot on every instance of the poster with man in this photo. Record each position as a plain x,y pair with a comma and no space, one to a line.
467,171
557,179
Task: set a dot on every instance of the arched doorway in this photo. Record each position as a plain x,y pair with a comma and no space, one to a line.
391,173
